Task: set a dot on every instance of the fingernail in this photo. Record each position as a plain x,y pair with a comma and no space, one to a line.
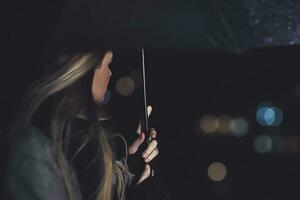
145,154
149,110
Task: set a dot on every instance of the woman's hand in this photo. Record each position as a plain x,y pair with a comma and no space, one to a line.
150,153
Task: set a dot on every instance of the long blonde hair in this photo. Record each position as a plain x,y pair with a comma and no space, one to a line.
70,85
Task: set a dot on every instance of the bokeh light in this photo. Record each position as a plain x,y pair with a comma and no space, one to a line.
260,115
269,116
239,127
292,145
125,86
209,123
224,123
278,118
263,144
217,171
278,143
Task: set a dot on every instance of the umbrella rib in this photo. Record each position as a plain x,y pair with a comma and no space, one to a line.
227,27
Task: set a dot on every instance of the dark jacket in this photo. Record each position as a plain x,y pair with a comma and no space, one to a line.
33,174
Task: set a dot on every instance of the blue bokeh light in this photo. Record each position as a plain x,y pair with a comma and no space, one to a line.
278,118
269,116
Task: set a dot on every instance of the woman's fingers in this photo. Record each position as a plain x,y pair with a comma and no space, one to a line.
135,145
153,133
152,155
153,144
145,174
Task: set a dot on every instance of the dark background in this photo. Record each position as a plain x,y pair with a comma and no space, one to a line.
182,87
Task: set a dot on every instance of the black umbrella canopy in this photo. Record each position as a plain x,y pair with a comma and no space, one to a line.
177,24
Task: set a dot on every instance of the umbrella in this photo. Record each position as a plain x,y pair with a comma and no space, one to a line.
177,24
229,25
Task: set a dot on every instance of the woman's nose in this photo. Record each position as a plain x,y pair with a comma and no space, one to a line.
109,55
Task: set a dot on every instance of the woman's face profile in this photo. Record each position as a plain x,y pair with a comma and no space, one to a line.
101,78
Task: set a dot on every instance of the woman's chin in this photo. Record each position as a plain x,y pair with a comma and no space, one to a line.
105,98
101,101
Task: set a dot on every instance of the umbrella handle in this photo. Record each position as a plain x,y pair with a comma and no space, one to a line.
144,120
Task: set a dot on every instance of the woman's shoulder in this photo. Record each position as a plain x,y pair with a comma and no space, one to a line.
32,171
31,142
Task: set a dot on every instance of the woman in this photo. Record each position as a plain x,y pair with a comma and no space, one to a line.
62,118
